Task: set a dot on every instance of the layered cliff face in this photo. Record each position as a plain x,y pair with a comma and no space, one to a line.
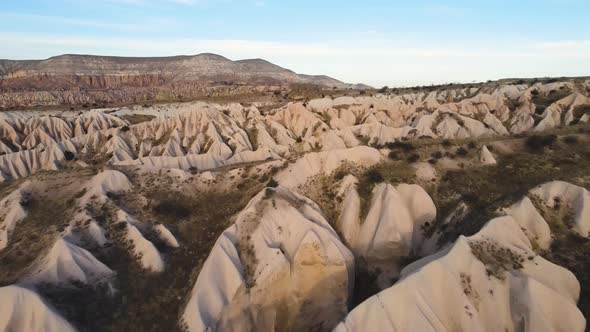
77,79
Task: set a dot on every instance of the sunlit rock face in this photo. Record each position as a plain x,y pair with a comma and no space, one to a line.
353,233
23,310
207,136
279,267
492,280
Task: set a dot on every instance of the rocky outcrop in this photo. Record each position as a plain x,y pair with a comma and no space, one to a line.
486,157
13,211
279,267
493,280
23,310
206,136
574,200
129,231
66,262
391,230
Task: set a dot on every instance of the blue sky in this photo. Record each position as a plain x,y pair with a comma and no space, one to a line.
395,43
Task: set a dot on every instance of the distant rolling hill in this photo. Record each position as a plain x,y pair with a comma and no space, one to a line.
78,79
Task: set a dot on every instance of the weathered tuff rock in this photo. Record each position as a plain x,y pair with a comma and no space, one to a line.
205,136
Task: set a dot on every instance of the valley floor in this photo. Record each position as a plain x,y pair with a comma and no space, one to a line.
355,214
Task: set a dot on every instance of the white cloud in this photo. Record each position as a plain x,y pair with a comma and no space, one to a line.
146,26
245,46
373,64
262,48
561,45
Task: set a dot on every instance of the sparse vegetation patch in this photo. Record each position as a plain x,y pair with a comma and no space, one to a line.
496,258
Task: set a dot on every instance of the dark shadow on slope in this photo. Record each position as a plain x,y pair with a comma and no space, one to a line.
32,237
487,188
146,301
571,252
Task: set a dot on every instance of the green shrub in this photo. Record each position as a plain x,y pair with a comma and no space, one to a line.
340,174
172,208
413,158
399,145
538,143
437,155
272,183
580,110
374,176
571,140
69,155
394,155
461,151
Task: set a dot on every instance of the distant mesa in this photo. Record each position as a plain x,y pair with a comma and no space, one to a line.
361,86
79,79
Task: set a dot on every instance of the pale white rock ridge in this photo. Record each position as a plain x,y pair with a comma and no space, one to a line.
97,191
558,193
391,230
208,136
349,223
325,162
486,157
24,310
280,266
166,236
65,262
12,211
466,288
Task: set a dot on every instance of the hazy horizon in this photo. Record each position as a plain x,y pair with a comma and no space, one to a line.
376,42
